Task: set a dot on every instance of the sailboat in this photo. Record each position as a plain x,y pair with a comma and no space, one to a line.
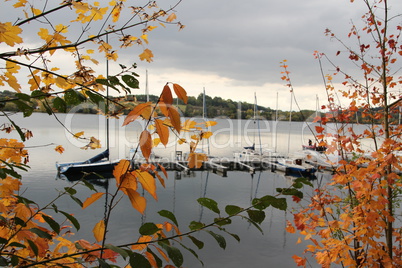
295,166
101,163
249,153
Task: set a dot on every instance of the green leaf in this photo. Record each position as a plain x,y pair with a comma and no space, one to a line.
138,260
52,223
70,190
220,239
3,240
222,221
290,191
256,215
131,81
17,245
33,247
169,215
72,97
20,221
305,181
233,210
196,242
3,261
24,108
60,105
71,219
209,203
40,233
103,263
196,225
95,98
24,200
89,185
23,96
38,94
106,82
148,228
191,251
173,253
14,260
255,224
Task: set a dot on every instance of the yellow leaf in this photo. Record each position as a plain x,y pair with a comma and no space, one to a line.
59,149
137,201
180,92
145,38
171,17
147,181
206,135
92,199
36,11
99,231
146,55
156,142
196,160
78,134
12,67
188,125
9,34
120,169
162,130
210,123
181,141
20,3
143,109
146,144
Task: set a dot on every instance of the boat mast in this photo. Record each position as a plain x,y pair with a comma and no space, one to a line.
146,85
256,117
290,117
204,114
107,103
276,122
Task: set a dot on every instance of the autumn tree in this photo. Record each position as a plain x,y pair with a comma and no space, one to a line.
50,53
354,220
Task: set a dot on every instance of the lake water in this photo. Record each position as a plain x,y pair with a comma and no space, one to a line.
274,248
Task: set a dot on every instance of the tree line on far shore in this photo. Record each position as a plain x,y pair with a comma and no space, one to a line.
215,107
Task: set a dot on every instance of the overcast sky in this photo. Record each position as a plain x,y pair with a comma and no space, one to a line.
233,48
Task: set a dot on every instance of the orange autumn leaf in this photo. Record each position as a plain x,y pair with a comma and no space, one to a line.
166,95
162,130
120,169
299,260
147,181
196,160
59,149
171,17
319,129
91,199
146,144
143,109
180,92
175,118
137,201
99,230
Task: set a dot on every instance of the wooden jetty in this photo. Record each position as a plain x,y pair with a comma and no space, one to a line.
217,165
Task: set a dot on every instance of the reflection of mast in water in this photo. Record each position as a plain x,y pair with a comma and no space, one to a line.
204,192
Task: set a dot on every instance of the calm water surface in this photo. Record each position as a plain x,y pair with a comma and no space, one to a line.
274,248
